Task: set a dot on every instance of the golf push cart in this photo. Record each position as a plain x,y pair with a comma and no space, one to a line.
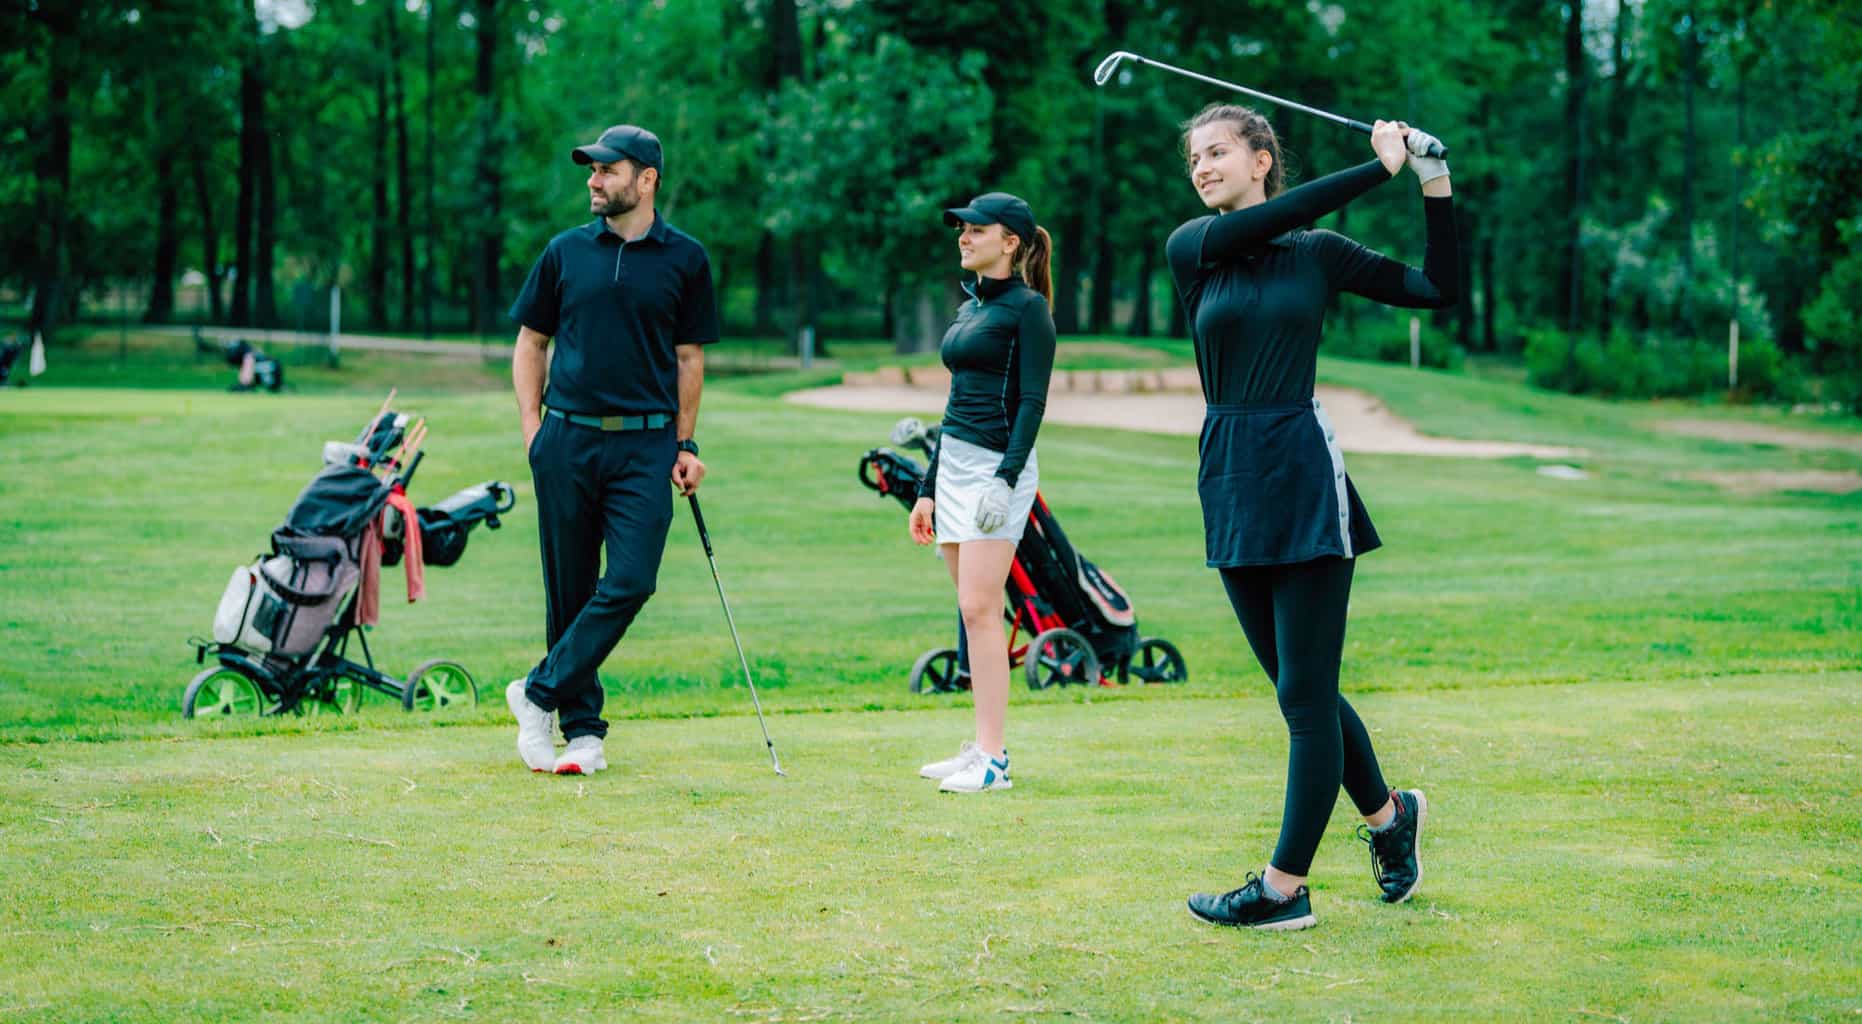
281,635
1081,626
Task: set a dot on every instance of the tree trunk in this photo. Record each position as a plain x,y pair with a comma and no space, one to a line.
265,245
249,128
1066,274
767,285
916,325
1104,266
1140,325
161,307
377,284
1468,222
1690,70
429,224
403,200
209,237
1488,339
51,288
490,191
1574,165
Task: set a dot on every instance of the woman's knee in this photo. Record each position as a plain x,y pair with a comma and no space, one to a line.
980,609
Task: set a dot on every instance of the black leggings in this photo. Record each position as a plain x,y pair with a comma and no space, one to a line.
1294,616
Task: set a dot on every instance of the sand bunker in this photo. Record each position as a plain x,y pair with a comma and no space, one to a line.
1142,403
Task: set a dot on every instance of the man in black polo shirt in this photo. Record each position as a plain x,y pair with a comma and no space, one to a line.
628,301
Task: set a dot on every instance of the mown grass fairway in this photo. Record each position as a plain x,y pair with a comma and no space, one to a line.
1631,700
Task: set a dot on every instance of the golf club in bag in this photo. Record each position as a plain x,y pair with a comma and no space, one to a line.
704,536
1104,72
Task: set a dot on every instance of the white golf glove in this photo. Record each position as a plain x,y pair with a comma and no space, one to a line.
993,510
1427,168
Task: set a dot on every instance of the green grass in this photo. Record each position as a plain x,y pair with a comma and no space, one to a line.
1629,697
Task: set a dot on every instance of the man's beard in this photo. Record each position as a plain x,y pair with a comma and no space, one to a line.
617,205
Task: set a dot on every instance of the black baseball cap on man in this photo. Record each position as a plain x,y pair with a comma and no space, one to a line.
623,140
996,208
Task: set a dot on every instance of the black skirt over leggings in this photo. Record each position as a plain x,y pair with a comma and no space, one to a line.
1294,616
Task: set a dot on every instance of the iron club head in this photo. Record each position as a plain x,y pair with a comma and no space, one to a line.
1103,73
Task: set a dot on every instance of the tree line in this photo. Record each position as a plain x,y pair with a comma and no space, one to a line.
1641,169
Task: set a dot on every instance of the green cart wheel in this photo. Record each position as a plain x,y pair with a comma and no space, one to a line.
439,685
222,692
341,696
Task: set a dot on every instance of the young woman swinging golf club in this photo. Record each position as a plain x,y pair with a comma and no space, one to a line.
1282,521
981,482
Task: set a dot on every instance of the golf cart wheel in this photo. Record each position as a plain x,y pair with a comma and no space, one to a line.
1059,657
339,696
439,685
1156,661
936,671
222,692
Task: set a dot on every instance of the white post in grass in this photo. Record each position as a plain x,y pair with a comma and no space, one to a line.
336,321
1415,343
1732,354
807,346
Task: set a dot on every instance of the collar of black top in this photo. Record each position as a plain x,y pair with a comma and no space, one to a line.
996,208
982,289
599,226
623,140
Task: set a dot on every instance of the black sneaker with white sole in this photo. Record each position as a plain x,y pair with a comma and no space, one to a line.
1251,907
1396,852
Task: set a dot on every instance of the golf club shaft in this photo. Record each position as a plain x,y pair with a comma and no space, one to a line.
1110,64
704,537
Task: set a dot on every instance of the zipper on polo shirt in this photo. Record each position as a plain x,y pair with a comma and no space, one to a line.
617,260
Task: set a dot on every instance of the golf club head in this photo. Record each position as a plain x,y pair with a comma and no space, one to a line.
1103,73
907,431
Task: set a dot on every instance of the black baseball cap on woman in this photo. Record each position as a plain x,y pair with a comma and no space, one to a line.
623,140
996,208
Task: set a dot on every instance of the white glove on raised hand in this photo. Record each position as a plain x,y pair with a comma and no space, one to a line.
1427,168
993,510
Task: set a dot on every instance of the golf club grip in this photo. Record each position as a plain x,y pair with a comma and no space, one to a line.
698,517
1436,149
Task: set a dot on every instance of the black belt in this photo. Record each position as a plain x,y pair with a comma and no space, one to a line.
653,421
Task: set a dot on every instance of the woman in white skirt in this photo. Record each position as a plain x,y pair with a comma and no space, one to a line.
981,482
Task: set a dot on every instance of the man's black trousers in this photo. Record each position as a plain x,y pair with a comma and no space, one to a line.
595,489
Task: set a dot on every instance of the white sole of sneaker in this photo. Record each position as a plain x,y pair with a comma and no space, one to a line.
1292,924
1422,818
1004,784
575,768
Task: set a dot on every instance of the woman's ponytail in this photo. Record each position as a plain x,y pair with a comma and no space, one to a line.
1036,266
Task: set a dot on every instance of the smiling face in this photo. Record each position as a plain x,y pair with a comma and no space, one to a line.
1225,170
987,249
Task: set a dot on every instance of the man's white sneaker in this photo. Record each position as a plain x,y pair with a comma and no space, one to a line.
583,756
983,773
533,729
941,770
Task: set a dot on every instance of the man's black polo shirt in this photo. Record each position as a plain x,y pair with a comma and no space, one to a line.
617,310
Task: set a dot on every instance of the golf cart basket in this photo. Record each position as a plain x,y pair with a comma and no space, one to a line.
1081,626
282,631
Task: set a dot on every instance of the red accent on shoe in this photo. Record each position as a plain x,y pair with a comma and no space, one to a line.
569,769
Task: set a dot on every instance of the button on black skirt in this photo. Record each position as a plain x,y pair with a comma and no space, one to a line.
1274,488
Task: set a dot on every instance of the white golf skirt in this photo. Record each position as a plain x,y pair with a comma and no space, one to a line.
964,471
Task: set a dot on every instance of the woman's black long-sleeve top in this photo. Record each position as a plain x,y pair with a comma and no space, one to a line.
1255,287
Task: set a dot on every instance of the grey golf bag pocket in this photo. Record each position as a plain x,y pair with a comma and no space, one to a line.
284,604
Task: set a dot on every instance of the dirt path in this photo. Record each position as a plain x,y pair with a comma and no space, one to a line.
1761,433
1364,425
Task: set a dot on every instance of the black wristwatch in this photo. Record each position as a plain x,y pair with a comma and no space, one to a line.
688,445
